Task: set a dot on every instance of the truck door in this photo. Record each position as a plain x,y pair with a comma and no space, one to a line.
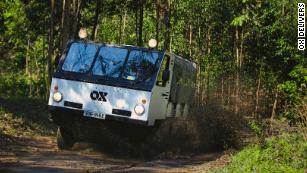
161,90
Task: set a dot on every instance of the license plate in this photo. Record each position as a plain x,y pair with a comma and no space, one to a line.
94,114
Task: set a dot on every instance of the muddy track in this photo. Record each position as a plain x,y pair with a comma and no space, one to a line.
40,154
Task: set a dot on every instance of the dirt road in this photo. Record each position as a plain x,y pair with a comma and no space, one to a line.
40,154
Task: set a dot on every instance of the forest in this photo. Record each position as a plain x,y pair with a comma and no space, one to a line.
246,52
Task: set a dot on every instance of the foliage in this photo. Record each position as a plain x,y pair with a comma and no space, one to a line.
19,84
237,42
297,86
284,153
14,84
294,91
256,127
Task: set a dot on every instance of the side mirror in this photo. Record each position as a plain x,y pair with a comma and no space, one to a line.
165,75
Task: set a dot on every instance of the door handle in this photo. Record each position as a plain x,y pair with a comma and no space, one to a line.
164,95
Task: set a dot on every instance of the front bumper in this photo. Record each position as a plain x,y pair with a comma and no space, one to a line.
61,115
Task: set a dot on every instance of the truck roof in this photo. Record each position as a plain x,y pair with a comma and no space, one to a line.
117,45
134,47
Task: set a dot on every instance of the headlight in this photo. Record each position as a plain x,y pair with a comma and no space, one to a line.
57,96
139,109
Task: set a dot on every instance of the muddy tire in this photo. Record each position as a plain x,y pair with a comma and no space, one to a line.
65,138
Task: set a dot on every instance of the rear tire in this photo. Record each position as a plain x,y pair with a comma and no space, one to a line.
65,139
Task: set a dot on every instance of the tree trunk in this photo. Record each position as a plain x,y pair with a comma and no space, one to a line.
237,71
120,37
27,58
137,25
50,48
158,20
67,25
222,92
257,97
63,14
37,76
199,80
241,48
77,22
76,12
96,19
44,71
209,64
28,70
140,35
124,27
167,22
190,41
229,94
30,85
274,106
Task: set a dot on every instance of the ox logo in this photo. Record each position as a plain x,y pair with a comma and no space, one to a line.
98,95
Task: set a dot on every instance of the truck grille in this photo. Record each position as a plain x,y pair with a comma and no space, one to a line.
73,104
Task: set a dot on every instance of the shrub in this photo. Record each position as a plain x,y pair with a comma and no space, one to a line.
284,153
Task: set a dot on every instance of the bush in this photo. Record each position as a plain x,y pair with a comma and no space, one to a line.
284,153
294,93
19,84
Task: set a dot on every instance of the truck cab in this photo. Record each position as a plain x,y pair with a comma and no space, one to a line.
127,84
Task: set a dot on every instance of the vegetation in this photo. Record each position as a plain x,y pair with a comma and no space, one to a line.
284,153
29,118
246,52
284,149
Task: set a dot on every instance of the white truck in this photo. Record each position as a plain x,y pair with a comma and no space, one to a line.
125,84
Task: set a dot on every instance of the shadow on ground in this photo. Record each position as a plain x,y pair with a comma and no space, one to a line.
40,154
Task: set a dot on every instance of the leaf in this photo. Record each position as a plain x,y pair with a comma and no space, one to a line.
238,21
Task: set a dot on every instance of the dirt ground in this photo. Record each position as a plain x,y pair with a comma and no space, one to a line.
40,154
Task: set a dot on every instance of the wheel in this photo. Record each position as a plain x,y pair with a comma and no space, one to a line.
178,110
65,138
186,110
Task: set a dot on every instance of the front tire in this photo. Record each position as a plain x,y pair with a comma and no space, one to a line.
65,139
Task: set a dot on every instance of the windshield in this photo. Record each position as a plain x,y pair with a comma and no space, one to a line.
124,63
80,57
110,61
140,65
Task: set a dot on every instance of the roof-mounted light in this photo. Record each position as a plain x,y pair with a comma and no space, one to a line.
152,43
82,33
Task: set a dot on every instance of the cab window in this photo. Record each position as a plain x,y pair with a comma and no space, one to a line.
110,61
140,65
80,57
164,66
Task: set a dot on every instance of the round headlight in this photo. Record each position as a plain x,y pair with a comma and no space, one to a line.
139,109
57,96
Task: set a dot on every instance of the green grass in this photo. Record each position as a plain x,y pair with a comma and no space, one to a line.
285,153
21,116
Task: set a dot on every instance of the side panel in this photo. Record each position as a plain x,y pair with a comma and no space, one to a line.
183,83
160,97
116,98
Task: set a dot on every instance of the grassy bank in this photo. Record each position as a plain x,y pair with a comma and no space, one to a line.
283,153
22,116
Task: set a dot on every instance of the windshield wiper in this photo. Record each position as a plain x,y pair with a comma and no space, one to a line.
137,82
103,78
